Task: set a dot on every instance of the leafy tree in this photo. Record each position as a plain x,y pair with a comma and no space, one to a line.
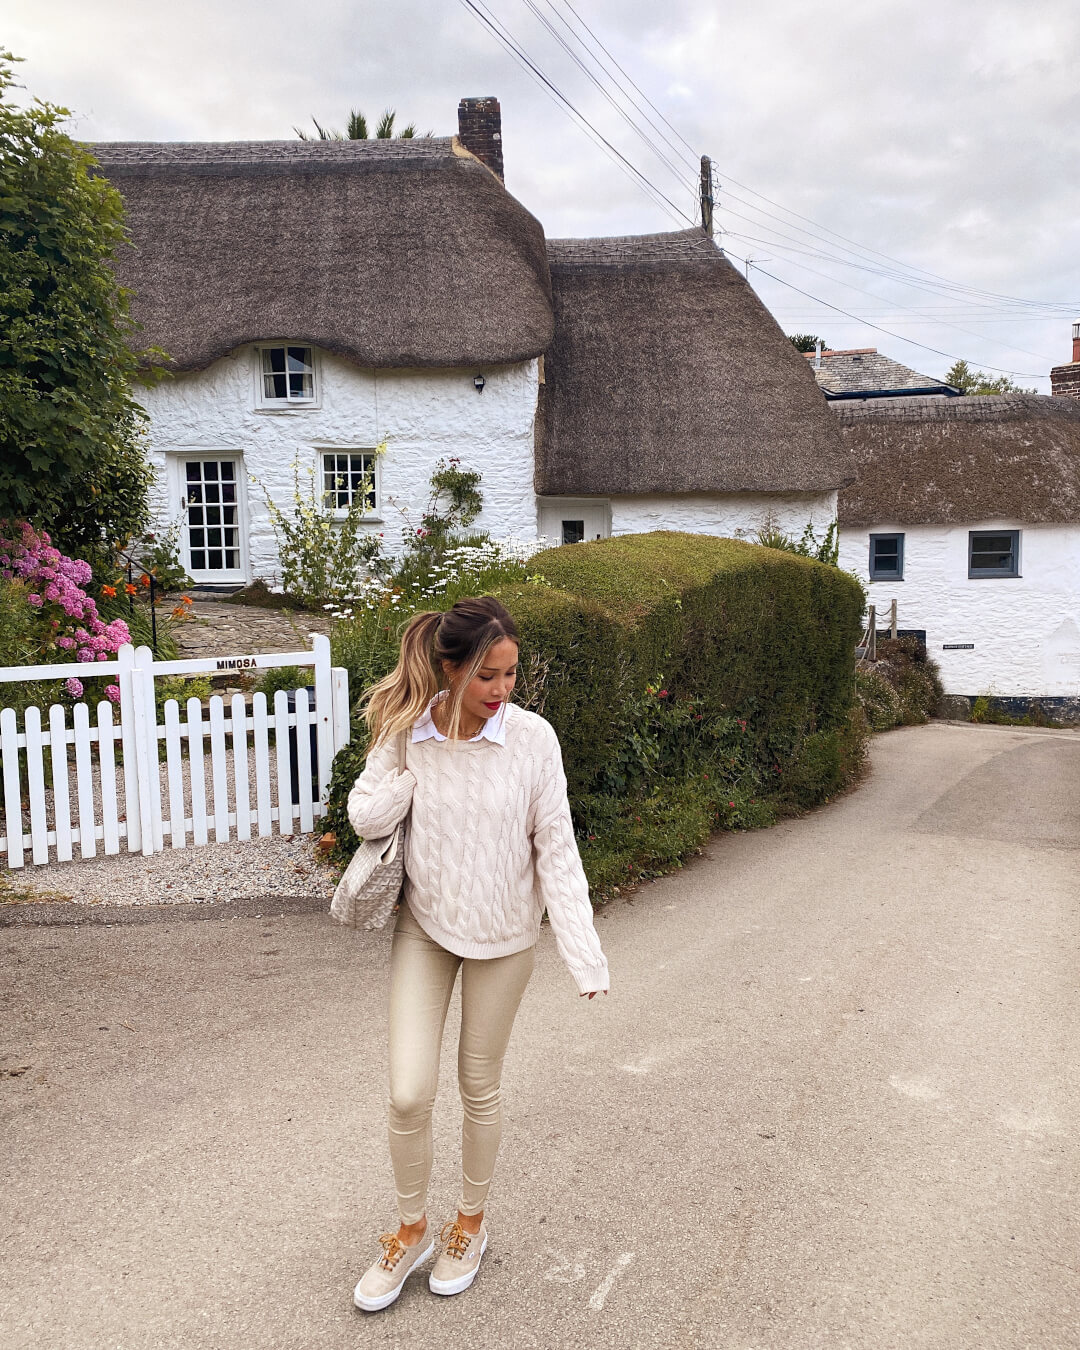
356,129
71,433
968,381
806,342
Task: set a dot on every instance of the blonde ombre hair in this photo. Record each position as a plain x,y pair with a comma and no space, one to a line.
461,637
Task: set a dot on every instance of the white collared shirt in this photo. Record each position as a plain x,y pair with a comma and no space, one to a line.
494,728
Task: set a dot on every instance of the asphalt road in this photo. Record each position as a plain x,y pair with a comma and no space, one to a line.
831,1102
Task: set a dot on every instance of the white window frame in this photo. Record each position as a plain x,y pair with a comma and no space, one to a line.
375,515
176,481
263,402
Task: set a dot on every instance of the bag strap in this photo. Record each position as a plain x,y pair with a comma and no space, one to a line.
401,750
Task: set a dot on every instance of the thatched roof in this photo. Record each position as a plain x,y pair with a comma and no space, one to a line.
864,372
389,252
667,374
946,461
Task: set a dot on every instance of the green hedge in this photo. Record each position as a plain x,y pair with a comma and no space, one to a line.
694,682
765,634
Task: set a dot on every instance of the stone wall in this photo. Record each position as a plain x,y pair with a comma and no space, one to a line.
737,515
423,415
1065,380
1024,631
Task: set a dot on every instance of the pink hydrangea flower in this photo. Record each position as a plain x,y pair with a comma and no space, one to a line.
74,687
112,693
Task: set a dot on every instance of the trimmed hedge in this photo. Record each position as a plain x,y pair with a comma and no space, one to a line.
764,634
695,683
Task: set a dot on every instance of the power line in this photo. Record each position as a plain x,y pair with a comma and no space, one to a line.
675,170
692,157
907,269
1024,374
512,45
946,323
481,11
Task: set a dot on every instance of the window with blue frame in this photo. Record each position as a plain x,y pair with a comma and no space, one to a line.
886,557
994,553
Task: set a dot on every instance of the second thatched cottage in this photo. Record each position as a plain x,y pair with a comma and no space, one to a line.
321,298
966,512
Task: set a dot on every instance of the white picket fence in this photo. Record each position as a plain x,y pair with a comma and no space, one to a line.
220,774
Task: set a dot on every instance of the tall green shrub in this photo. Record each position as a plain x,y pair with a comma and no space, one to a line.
71,452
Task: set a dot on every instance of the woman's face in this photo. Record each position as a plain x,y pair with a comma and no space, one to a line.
493,683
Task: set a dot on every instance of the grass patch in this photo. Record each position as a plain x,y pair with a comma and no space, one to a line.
11,893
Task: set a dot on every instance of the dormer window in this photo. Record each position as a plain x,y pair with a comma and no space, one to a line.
287,376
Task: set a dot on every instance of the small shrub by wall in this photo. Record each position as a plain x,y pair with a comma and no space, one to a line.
902,687
695,683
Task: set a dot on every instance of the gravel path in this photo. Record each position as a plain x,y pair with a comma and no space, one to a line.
276,865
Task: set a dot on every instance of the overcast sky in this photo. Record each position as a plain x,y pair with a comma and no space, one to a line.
944,134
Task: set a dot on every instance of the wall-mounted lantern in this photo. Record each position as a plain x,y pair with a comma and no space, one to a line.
478,383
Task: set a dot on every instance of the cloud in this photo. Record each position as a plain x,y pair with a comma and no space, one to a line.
942,136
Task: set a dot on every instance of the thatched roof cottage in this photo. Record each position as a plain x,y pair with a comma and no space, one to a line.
670,392
967,512
321,298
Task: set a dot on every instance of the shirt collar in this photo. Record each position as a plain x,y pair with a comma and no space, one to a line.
424,728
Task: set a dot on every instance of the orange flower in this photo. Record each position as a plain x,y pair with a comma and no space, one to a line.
131,590
186,600
109,591
179,612
144,580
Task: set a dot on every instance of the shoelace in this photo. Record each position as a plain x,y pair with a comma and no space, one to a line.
393,1250
456,1239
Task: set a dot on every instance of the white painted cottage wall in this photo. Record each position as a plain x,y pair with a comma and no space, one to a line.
1026,629
423,415
737,515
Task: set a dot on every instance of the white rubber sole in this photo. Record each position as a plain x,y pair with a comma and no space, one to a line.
459,1285
384,1301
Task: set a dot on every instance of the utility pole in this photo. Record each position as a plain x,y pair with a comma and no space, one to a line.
706,195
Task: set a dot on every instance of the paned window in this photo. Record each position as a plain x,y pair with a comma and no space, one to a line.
288,375
994,553
348,476
886,557
213,515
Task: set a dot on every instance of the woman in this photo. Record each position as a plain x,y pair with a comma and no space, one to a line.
490,846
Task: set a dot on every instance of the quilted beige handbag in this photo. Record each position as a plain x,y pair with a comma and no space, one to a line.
370,887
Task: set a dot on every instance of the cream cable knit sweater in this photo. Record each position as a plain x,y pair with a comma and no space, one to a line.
490,843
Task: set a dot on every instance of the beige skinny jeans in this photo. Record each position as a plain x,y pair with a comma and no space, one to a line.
422,975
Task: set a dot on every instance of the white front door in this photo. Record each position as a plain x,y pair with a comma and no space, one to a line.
570,520
211,488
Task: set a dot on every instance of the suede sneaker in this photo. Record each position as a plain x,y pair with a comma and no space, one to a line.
459,1259
382,1282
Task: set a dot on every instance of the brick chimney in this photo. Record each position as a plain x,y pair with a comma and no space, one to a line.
1065,380
480,131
